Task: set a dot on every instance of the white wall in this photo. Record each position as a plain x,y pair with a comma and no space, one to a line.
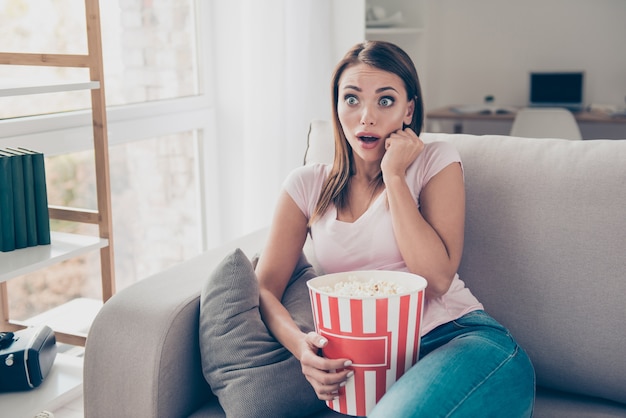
482,47
473,48
273,60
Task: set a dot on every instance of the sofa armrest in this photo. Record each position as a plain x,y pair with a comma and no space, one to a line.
142,356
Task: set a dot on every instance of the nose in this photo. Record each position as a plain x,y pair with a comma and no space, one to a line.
368,116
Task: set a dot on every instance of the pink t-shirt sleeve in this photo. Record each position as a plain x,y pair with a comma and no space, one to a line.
304,185
435,157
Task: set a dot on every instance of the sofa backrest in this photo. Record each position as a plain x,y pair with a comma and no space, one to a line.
545,250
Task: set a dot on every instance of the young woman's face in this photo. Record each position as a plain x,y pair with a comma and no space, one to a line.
372,104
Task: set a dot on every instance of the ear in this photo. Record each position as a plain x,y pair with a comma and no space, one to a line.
408,118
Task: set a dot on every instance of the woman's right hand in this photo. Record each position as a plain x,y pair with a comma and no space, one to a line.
321,372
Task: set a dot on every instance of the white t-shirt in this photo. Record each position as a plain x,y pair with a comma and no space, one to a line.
369,242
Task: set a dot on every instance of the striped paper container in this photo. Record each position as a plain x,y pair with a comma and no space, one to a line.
380,334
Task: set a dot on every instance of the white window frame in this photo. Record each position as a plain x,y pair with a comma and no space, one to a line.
69,132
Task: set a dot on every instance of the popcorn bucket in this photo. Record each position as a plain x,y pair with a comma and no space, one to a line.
379,333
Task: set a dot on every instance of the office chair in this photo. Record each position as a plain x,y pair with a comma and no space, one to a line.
548,122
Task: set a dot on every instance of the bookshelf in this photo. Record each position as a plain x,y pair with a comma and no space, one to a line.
65,246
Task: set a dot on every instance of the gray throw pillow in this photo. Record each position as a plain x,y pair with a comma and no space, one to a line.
249,371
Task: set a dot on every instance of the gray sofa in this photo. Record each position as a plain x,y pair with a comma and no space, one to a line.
545,252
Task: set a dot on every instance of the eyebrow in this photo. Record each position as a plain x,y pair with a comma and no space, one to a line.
380,90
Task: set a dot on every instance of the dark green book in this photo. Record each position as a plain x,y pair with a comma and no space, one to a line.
7,226
41,196
19,205
29,196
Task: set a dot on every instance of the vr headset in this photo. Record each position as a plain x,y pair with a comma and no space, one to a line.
26,357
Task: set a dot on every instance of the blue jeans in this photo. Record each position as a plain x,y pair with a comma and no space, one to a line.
470,367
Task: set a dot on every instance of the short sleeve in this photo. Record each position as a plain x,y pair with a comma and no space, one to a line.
304,185
437,156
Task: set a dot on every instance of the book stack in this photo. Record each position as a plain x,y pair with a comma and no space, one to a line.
24,218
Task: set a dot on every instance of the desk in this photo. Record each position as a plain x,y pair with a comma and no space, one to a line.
600,119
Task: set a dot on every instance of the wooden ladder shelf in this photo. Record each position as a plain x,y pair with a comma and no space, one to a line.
102,216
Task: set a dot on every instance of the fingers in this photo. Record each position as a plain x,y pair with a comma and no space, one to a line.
327,383
312,358
406,133
326,376
316,340
404,138
401,149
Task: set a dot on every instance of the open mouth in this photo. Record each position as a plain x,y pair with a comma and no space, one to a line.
368,139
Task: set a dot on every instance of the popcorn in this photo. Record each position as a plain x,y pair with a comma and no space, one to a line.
372,317
353,287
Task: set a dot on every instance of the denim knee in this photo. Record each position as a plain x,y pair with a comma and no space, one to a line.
468,367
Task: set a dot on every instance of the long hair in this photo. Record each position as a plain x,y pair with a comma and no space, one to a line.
384,56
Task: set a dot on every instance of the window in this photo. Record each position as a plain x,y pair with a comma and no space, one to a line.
160,123
149,51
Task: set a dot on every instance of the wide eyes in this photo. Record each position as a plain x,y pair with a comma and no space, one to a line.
386,101
352,100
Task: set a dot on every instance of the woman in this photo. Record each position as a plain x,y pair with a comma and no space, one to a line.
391,202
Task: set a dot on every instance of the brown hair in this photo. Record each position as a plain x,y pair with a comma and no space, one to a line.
384,56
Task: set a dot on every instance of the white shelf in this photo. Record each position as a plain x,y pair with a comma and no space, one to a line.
9,88
63,384
393,31
74,316
63,247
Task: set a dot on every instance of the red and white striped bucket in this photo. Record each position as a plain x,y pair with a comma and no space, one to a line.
379,334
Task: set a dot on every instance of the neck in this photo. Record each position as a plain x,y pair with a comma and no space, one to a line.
366,172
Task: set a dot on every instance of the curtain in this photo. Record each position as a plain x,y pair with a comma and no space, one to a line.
272,62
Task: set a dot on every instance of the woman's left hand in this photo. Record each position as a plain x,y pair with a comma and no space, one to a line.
402,148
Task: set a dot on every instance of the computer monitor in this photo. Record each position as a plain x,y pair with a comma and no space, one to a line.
557,89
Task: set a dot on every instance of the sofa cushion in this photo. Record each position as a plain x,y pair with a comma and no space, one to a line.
251,373
320,143
544,252
551,404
